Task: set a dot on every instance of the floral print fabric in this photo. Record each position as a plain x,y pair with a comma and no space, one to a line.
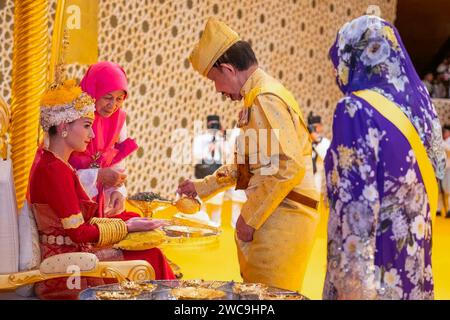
379,228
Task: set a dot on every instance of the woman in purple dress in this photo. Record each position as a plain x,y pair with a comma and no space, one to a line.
379,227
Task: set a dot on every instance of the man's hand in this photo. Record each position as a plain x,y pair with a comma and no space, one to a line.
117,202
243,230
138,224
111,178
187,188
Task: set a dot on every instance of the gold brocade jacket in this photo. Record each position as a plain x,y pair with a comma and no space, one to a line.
276,143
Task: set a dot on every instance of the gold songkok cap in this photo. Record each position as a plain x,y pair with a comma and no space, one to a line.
65,103
216,39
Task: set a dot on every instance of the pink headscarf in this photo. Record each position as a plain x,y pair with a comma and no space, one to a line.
104,77
104,150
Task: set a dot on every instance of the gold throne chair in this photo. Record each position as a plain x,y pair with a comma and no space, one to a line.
15,273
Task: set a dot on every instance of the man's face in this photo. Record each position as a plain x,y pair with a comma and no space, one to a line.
226,81
446,134
318,127
315,136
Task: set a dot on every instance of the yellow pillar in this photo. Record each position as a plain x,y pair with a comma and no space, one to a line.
29,81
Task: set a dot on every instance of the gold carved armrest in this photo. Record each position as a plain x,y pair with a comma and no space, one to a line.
79,264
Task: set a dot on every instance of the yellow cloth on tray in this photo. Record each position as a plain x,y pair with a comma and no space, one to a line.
141,240
284,236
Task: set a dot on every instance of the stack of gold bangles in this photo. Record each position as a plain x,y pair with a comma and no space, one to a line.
111,230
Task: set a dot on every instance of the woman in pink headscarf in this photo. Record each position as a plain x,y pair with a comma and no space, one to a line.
101,167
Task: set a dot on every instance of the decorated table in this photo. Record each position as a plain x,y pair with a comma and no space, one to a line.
187,290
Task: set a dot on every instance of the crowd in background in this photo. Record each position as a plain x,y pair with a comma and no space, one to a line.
438,82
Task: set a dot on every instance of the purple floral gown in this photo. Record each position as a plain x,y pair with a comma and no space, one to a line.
379,227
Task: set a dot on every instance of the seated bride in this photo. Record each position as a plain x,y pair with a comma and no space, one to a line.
65,214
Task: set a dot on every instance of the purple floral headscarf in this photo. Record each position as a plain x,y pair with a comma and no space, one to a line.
369,54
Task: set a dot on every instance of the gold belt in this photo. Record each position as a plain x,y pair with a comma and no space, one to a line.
302,199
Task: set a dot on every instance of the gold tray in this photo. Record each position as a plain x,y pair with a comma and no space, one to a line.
148,208
184,204
197,293
199,238
187,231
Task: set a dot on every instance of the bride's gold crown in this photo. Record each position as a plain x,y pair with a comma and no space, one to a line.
65,102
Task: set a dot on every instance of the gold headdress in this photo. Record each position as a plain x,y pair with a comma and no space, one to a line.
64,101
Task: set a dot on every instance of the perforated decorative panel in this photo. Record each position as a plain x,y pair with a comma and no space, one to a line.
152,41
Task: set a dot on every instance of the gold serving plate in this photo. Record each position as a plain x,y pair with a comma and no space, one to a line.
137,286
200,283
185,231
148,208
195,289
263,292
129,290
280,296
184,204
185,220
197,293
249,288
115,295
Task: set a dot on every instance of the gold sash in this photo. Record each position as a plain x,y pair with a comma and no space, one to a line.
277,89
280,91
394,114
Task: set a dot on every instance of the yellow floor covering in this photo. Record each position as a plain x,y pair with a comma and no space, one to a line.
219,261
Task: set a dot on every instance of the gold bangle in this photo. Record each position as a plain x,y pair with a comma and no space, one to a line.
105,234
101,234
96,220
110,234
112,225
111,231
122,230
115,231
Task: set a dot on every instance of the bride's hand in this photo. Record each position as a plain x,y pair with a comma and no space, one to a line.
143,224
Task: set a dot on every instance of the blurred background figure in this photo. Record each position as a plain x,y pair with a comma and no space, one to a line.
443,204
443,69
428,82
208,153
320,145
438,82
439,87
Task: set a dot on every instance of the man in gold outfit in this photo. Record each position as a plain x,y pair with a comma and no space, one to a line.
276,228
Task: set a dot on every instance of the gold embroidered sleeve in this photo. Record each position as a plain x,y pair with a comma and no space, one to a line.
73,221
222,179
